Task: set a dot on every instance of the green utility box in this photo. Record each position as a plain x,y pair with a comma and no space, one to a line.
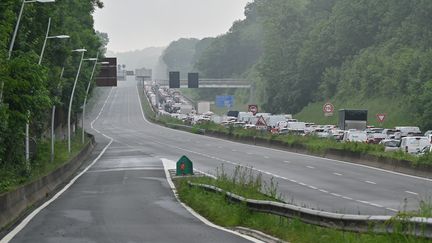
184,166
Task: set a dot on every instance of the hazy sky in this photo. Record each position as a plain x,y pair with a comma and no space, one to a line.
137,24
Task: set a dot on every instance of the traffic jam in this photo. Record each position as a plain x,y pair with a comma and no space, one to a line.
352,124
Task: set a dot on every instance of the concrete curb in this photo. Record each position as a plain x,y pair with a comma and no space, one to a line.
258,235
15,203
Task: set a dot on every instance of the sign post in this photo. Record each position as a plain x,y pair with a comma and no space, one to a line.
381,117
328,109
253,109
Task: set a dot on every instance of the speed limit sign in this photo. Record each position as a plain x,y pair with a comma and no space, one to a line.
328,109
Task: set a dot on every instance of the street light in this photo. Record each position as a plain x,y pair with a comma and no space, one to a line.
72,95
86,94
47,36
15,34
19,20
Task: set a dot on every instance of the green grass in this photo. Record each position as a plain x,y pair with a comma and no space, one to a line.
18,175
217,209
396,110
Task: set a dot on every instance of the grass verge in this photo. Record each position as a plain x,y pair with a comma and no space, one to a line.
217,209
13,177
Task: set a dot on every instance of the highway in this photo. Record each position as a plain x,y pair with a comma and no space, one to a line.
124,196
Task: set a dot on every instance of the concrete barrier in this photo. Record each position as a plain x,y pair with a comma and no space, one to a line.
13,204
414,226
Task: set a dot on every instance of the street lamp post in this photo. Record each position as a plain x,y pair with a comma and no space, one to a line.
52,123
72,95
15,34
47,36
86,95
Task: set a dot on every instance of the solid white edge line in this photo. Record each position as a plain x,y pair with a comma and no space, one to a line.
23,223
165,163
284,151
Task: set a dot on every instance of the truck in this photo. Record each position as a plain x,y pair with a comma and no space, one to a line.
353,119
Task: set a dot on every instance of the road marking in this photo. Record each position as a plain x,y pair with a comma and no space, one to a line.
234,150
413,193
169,164
27,220
376,205
280,151
335,194
310,167
371,182
392,209
347,198
338,174
266,157
288,162
312,187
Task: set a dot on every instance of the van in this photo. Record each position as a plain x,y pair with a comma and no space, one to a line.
408,131
355,136
414,145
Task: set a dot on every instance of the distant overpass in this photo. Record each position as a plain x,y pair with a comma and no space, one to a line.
212,83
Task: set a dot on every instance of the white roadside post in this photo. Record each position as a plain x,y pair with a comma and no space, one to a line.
72,95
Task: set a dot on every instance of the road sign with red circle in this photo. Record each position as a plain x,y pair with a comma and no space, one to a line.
381,117
328,108
253,109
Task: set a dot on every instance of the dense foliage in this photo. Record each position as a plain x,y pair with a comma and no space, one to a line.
30,89
297,52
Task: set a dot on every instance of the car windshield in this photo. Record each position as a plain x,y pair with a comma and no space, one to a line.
391,144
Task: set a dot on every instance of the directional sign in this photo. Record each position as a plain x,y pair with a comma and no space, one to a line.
328,109
381,117
253,109
224,101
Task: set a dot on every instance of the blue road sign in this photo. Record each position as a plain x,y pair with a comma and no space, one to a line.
224,101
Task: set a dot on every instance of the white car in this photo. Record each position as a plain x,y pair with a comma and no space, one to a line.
355,136
407,131
390,145
414,145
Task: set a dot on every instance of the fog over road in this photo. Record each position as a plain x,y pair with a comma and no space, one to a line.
125,197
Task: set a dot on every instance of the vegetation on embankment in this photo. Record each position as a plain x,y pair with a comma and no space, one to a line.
301,52
16,176
217,209
31,90
396,110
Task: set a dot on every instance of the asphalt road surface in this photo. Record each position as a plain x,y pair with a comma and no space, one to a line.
124,196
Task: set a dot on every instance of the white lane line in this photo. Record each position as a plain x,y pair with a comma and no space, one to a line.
233,150
265,172
413,193
288,162
312,187
169,164
338,174
310,167
248,153
27,220
392,209
376,205
347,198
125,169
266,157
371,182
335,194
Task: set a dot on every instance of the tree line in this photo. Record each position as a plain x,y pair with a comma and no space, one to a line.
301,51
30,90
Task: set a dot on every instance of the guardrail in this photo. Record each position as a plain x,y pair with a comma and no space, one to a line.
414,226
